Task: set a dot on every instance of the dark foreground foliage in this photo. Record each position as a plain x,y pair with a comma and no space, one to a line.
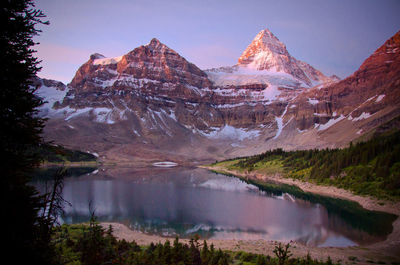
91,244
27,233
367,168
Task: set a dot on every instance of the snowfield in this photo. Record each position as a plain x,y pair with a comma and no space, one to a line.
240,75
230,132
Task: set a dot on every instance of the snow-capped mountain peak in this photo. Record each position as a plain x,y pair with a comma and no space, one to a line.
262,50
266,52
265,59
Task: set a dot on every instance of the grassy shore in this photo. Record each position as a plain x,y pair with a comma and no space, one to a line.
273,180
369,168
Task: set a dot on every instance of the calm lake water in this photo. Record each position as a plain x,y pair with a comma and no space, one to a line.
184,202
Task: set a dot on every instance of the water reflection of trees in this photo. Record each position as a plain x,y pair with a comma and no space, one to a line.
341,213
336,217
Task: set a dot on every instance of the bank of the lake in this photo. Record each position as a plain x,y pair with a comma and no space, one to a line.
366,202
362,255
389,248
385,251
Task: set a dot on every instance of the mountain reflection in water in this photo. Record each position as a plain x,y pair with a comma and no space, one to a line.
183,202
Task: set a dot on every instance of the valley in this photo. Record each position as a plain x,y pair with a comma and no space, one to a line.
151,118
200,132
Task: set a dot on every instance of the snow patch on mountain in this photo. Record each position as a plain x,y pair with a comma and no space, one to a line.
106,61
279,122
71,113
103,115
230,132
330,123
50,96
321,114
364,115
301,131
246,75
100,114
379,98
313,101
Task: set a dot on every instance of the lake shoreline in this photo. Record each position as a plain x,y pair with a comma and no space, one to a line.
390,246
386,251
366,202
338,254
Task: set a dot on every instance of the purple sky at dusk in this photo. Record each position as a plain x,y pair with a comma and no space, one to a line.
335,36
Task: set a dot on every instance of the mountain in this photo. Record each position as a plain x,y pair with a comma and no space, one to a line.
266,60
151,104
369,97
153,68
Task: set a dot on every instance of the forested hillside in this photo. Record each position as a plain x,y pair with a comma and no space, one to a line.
367,168
60,154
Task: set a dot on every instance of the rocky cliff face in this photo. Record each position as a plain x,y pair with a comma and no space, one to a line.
357,104
153,69
151,103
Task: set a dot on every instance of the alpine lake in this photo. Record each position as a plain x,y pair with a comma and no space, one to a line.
187,201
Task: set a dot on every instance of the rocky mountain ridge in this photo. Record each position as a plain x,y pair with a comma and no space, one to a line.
365,99
152,103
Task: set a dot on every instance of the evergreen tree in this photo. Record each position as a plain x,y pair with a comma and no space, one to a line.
195,256
205,254
261,260
20,131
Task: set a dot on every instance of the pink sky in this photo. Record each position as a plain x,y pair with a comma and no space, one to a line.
335,36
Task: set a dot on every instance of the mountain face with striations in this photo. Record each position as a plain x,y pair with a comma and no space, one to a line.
152,104
154,69
341,112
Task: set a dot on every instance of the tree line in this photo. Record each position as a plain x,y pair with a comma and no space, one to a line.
91,244
371,167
